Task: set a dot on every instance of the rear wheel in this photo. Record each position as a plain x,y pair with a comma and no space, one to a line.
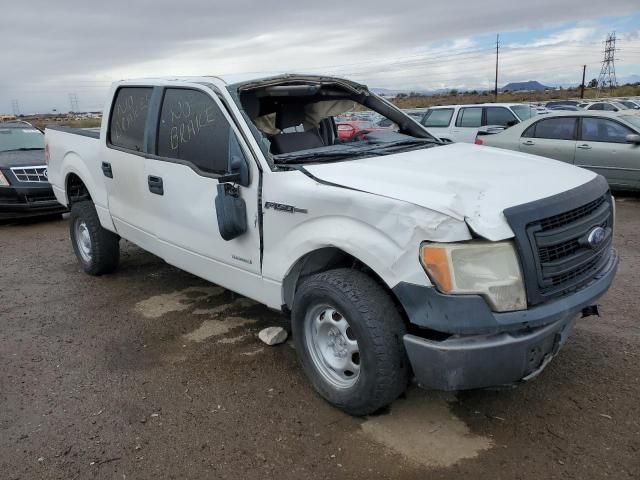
348,335
97,249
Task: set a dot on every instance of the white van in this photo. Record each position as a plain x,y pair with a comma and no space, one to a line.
460,123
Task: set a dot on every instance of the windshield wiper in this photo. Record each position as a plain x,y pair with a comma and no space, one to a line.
310,157
347,151
23,149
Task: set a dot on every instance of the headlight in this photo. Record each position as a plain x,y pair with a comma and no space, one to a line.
3,180
483,268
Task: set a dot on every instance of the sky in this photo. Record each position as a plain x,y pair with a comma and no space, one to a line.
55,48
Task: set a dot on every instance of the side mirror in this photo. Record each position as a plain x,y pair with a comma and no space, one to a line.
231,211
238,172
634,139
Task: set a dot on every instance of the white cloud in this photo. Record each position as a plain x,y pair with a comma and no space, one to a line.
76,46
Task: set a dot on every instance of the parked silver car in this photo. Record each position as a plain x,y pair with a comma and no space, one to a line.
607,143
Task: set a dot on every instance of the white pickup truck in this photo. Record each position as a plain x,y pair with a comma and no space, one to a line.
397,256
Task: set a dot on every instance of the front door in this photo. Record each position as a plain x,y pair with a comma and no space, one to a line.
603,148
194,143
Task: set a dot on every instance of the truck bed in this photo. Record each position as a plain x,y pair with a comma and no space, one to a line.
87,132
75,151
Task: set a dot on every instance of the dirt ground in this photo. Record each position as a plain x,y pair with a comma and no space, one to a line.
152,373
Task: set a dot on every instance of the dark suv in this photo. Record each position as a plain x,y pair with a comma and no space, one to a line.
24,187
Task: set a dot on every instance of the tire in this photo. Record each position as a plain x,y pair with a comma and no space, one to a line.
379,373
97,249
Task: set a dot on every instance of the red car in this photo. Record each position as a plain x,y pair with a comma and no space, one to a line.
357,129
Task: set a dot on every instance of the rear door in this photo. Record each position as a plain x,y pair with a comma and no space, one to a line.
196,138
602,147
123,165
552,138
468,121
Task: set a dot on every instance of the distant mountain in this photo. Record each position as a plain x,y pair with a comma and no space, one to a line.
531,85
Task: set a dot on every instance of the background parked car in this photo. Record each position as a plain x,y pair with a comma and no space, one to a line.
355,129
570,108
630,104
607,106
607,143
460,123
562,103
24,186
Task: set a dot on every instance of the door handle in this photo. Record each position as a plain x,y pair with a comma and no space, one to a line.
529,142
106,170
584,146
155,185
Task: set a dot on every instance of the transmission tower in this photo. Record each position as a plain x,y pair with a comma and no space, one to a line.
73,102
16,107
607,78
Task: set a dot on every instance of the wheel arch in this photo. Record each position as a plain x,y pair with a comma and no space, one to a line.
83,183
328,258
76,189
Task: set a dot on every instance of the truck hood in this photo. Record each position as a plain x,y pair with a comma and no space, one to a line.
22,158
467,182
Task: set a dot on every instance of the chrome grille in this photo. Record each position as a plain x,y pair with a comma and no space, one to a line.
31,174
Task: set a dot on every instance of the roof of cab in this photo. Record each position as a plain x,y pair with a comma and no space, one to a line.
236,79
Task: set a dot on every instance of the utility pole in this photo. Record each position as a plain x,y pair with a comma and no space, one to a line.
607,78
16,107
495,89
73,102
584,71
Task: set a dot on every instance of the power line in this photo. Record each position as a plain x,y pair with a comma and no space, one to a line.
495,89
607,78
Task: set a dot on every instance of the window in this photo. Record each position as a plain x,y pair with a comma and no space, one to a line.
524,112
632,119
129,117
438,117
500,116
529,132
596,106
562,128
602,130
469,117
16,138
192,128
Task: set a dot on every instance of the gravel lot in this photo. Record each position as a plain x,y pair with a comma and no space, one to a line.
153,373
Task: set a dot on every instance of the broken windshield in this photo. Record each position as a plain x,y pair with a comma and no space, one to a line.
305,121
374,145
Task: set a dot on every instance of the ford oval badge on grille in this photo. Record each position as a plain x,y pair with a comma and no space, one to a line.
596,237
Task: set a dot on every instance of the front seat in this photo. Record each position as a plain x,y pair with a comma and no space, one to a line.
293,116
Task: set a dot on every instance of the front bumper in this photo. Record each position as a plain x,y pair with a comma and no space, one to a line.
27,201
511,347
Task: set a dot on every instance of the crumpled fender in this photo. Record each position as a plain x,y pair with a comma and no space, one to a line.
383,233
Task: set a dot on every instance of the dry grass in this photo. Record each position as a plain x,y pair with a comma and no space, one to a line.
419,102
64,122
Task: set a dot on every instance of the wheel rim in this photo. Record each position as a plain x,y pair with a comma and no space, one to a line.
83,240
333,347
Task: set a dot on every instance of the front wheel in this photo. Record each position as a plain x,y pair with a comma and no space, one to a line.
97,249
348,335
